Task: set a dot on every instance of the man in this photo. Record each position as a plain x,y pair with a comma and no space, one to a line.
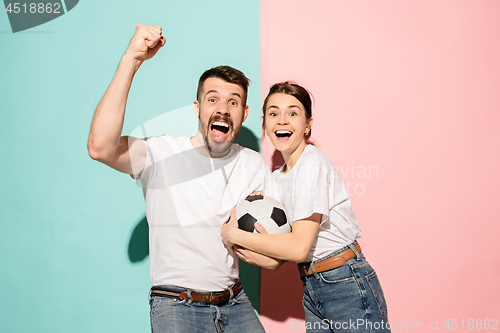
190,186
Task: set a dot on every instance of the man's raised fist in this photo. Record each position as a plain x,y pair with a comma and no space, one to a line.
147,40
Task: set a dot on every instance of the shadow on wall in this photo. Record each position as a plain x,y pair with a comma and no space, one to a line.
138,246
247,139
276,160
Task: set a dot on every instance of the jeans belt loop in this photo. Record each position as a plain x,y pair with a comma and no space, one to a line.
190,297
316,275
355,251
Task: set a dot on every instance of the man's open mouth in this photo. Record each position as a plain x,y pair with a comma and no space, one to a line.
219,130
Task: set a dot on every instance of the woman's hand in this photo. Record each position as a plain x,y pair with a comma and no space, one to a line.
247,255
255,258
228,231
254,193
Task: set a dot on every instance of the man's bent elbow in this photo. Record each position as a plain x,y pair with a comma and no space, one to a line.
96,154
93,153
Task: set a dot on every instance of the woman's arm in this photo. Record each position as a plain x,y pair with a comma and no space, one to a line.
293,246
258,259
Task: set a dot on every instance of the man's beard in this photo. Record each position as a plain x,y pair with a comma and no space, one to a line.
218,148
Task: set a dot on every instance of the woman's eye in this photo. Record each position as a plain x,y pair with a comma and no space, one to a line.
292,114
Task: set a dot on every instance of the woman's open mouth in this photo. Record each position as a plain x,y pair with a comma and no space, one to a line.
283,135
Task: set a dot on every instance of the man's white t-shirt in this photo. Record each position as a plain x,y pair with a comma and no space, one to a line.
188,198
313,185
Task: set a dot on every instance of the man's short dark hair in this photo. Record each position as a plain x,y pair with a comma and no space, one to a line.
228,74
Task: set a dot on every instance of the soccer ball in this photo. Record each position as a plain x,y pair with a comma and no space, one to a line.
269,212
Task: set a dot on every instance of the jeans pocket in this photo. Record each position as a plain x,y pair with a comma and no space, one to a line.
376,289
337,275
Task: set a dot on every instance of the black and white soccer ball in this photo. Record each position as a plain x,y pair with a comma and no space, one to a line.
269,212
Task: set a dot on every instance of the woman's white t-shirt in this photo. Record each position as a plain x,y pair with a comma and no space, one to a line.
313,185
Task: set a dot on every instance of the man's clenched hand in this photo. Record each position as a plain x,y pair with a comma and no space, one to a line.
147,40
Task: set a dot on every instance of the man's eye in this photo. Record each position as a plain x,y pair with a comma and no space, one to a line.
211,100
233,103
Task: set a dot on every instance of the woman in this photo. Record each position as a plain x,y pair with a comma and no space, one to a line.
341,291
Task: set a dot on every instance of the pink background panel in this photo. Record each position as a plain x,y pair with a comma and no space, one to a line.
408,108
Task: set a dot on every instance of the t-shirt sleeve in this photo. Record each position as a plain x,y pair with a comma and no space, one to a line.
310,192
150,169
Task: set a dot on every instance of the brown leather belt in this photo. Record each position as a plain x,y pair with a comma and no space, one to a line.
215,298
330,263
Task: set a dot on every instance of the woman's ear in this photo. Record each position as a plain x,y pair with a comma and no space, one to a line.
309,125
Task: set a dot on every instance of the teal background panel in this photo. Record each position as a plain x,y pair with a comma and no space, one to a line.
70,231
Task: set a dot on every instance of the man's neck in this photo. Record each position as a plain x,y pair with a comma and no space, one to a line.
201,147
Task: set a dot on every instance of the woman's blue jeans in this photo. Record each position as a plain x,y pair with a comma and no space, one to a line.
184,316
348,298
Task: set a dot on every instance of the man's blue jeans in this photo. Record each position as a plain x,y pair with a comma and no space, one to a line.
348,298
185,316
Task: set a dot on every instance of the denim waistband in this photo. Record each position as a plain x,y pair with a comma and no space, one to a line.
177,289
335,253
190,295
